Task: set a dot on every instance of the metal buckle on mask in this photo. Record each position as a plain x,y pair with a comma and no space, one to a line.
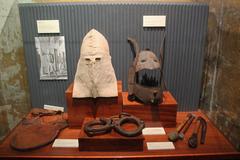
105,125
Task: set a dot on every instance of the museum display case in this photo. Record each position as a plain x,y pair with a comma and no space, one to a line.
113,80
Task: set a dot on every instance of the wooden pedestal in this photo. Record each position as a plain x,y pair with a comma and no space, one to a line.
109,142
79,108
165,112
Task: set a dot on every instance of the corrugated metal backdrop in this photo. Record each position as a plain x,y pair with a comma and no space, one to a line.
185,37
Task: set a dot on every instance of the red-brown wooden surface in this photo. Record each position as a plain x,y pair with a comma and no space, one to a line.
216,147
165,112
111,141
79,108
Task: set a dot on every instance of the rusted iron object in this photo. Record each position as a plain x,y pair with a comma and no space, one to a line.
174,136
193,140
186,127
105,125
148,90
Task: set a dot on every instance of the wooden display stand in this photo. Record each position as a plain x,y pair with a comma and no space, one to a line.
216,147
79,108
109,142
165,113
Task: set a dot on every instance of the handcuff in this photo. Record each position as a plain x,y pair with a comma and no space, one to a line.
105,125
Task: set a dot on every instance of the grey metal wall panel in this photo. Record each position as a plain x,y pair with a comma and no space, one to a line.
186,31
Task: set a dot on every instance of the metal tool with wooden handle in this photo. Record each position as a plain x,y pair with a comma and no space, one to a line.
189,122
181,126
204,130
173,136
193,140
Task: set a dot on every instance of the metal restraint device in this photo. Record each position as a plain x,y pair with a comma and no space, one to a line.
181,129
193,140
147,88
105,125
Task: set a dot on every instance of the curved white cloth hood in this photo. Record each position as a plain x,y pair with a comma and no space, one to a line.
95,76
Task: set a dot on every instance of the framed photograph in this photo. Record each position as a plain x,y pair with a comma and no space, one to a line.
51,57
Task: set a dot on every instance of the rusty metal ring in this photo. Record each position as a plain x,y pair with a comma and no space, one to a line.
129,119
104,126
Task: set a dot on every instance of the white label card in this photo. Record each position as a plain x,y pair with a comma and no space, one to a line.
160,146
65,143
48,26
153,131
53,108
154,21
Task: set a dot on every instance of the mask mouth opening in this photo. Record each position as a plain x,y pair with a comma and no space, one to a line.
148,77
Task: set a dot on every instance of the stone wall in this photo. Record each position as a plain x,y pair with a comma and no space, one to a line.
14,93
221,86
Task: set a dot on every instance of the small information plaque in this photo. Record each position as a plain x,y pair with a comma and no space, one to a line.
48,26
53,108
153,131
154,21
160,146
65,143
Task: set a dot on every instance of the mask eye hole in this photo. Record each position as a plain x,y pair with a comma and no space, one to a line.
143,60
155,60
97,59
87,59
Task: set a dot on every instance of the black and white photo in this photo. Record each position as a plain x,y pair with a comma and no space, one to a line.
51,57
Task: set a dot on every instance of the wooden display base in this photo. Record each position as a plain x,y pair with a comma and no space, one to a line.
109,142
165,112
79,108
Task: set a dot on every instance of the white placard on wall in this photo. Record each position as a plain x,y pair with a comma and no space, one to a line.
154,21
48,26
